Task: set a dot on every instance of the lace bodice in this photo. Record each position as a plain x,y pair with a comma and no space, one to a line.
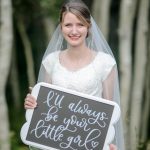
87,80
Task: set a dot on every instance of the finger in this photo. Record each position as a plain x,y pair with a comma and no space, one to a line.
29,105
113,147
30,89
31,98
30,102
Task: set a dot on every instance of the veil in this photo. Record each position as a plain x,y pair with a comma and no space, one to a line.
96,42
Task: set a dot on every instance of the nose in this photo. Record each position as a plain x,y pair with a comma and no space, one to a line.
74,30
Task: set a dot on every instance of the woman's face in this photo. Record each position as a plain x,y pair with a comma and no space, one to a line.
74,31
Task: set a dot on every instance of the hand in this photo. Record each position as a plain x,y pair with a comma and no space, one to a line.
112,147
30,102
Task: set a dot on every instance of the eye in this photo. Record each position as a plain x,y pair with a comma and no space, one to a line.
81,24
68,25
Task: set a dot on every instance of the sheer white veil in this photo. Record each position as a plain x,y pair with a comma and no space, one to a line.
95,41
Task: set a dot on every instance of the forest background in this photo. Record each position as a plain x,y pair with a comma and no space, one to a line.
25,29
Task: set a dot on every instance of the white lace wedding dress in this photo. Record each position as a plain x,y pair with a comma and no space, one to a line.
86,80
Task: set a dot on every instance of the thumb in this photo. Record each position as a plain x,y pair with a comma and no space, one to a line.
30,89
113,147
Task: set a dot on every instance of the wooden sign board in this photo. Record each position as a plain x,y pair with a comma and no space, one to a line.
69,120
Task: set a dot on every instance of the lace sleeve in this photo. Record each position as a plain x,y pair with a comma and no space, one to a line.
109,63
49,62
47,67
109,84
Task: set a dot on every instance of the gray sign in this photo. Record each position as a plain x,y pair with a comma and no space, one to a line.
64,120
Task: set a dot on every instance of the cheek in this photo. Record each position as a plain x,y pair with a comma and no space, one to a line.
64,31
85,32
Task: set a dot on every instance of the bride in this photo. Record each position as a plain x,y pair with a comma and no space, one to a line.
79,58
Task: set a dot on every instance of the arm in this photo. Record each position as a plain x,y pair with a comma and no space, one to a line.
108,85
108,90
44,75
30,101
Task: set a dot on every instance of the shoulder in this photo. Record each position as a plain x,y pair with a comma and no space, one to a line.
103,64
104,58
49,61
103,55
51,56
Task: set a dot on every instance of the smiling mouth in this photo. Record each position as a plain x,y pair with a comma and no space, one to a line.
74,37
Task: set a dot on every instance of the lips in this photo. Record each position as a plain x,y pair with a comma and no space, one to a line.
74,37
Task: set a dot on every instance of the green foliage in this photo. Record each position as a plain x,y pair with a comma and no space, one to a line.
32,13
51,7
36,8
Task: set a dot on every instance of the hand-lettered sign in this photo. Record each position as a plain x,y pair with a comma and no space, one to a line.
69,120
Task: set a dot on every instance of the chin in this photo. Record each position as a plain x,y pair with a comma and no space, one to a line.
74,43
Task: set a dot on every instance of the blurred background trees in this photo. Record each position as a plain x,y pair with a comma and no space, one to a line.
6,41
25,29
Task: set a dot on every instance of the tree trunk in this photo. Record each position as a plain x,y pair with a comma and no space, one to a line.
49,27
139,72
100,11
146,107
127,14
6,37
144,134
14,82
148,146
28,52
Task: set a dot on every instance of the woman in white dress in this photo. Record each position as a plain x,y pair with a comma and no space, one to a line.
79,58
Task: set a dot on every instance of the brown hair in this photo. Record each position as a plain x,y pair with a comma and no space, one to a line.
79,9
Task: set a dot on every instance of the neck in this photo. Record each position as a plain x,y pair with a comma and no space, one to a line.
77,52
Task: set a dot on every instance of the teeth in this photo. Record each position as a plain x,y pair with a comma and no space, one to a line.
74,36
